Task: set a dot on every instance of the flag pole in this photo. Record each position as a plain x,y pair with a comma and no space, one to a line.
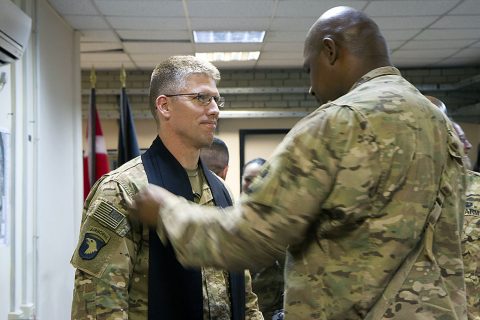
92,166
123,120
127,140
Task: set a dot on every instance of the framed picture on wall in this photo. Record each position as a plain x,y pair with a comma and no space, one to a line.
258,143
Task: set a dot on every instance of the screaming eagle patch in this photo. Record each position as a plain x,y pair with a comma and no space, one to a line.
94,240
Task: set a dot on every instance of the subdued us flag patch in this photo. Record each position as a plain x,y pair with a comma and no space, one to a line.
108,215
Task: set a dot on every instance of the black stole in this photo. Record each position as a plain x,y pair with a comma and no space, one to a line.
175,292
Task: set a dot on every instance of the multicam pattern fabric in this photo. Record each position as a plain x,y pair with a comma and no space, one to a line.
471,244
347,194
268,286
114,283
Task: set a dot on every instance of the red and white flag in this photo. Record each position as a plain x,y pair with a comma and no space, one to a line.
95,159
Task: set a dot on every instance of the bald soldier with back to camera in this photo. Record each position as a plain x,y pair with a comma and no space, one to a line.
365,194
123,270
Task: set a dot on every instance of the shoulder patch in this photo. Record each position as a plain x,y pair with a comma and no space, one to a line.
93,241
107,215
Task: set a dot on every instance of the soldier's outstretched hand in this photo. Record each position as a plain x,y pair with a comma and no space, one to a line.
147,204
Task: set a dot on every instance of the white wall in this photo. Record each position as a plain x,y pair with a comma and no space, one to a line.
59,163
5,252
47,172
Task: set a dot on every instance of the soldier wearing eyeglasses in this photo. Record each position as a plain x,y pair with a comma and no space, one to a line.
123,269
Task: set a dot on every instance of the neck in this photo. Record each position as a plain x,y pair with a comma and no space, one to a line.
185,154
357,68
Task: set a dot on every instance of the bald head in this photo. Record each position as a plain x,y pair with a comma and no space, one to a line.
351,29
343,45
439,103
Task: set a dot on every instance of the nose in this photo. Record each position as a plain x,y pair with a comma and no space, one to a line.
212,108
310,92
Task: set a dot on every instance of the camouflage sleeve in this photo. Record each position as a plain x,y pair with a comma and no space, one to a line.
284,201
103,257
252,311
471,245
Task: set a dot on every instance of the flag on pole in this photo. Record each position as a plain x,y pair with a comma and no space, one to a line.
95,159
127,139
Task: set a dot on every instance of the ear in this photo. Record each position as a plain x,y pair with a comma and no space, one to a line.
163,106
223,173
330,50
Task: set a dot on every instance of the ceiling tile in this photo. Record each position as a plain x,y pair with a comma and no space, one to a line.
221,9
104,57
108,65
74,7
98,35
397,35
409,8
467,53
434,54
459,62
403,62
437,44
301,8
150,57
151,47
467,7
284,46
439,34
282,55
283,63
285,36
211,47
392,45
406,22
229,24
292,24
147,23
86,22
141,8
154,34
458,22
99,46
233,65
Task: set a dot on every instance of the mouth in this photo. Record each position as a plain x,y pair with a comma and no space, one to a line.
210,124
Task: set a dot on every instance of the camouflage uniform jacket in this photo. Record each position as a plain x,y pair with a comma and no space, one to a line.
471,244
347,192
111,280
268,286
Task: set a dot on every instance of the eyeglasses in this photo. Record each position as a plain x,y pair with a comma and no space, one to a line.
202,98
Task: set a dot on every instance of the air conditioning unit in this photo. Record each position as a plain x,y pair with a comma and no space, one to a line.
15,28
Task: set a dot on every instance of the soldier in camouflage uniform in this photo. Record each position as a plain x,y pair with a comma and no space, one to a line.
471,244
471,224
114,257
366,194
267,283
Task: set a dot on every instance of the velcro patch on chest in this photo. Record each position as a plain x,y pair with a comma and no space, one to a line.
107,215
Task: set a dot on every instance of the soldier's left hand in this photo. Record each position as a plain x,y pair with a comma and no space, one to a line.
147,204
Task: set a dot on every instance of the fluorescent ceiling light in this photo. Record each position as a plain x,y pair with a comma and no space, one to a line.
228,56
228,36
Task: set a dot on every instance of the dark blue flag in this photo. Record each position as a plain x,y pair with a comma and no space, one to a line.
127,139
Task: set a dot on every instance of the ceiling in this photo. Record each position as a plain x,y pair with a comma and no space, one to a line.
140,33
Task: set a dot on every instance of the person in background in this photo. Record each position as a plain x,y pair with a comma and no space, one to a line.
250,170
123,271
471,225
458,129
366,194
216,157
267,283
